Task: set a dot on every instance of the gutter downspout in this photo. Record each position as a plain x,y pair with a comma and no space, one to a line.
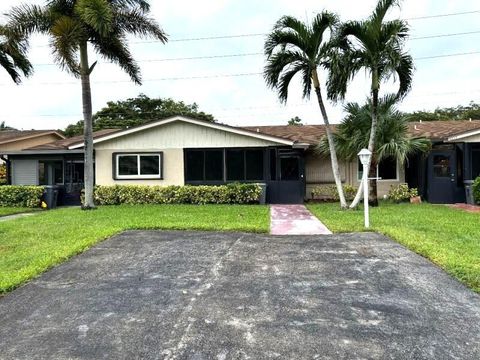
7,163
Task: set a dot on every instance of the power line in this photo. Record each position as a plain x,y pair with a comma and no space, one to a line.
443,15
445,35
447,55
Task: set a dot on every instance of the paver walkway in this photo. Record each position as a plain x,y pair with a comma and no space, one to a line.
295,220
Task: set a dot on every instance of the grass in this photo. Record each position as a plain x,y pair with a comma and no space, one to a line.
448,237
29,246
4,211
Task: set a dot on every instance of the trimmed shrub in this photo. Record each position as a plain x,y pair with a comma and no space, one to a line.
144,194
401,192
476,190
330,193
3,174
21,196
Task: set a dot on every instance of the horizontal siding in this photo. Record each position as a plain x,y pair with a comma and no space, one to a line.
319,169
24,172
178,135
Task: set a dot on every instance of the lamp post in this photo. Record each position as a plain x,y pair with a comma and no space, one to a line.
365,156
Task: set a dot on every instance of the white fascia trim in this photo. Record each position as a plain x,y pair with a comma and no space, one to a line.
191,121
464,135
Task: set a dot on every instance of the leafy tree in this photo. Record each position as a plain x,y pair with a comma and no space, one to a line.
13,54
391,138
73,26
296,48
4,127
460,112
375,46
295,121
137,111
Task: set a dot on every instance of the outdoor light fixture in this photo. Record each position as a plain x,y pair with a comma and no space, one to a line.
365,156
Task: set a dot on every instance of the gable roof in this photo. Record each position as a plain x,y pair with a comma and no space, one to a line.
65,144
208,124
8,136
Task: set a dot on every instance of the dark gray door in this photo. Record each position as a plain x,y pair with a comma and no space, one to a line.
289,188
442,170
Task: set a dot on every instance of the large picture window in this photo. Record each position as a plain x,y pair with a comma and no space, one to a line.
386,170
138,166
244,165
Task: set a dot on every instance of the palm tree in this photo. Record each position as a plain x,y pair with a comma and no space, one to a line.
294,47
12,55
376,46
72,26
391,138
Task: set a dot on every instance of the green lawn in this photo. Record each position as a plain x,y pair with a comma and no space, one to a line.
29,246
4,211
448,237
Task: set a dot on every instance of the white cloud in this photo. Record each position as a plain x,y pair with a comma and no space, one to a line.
244,100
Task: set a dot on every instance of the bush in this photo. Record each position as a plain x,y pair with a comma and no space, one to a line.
476,190
400,193
21,196
330,193
3,174
144,194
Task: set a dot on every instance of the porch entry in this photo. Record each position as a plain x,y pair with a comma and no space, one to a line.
445,178
282,169
67,175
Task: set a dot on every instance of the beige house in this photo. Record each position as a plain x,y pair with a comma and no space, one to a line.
180,150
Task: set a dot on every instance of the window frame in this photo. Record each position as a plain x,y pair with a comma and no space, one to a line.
115,161
397,172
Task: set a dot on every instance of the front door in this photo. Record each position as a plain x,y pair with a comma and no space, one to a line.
289,186
442,170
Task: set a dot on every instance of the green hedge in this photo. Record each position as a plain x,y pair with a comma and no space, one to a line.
143,194
328,192
476,190
20,196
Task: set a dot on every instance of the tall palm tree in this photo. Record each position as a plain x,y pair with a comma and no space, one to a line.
72,26
376,46
13,55
294,47
391,138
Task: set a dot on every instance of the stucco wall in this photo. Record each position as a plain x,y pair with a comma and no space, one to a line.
173,173
318,171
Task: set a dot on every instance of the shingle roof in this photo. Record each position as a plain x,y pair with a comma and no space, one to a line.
7,136
310,134
65,143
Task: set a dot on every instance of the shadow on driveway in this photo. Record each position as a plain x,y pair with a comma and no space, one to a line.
198,295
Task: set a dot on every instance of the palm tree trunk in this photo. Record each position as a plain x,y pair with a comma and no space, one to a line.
371,144
331,145
87,126
372,174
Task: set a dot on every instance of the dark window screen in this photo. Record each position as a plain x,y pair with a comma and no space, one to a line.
475,163
273,164
254,164
235,165
214,165
194,165
127,165
149,165
441,166
58,172
387,169
289,168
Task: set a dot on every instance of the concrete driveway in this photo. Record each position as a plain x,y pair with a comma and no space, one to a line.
196,295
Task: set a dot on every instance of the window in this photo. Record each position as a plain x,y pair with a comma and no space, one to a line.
50,172
475,161
386,169
441,166
273,164
204,165
138,166
244,165
289,169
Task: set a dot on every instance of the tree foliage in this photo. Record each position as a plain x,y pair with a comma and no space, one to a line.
460,112
4,126
137,111
295,121
13,60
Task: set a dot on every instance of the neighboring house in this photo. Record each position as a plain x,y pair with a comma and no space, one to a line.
180,150
15,140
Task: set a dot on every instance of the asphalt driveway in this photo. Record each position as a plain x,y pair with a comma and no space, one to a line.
196,295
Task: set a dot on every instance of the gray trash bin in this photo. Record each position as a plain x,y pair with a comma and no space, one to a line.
50,196
263,195
469,192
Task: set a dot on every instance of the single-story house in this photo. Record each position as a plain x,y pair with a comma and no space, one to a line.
14,140
180,150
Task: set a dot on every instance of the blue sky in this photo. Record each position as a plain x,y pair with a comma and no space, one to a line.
52,98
